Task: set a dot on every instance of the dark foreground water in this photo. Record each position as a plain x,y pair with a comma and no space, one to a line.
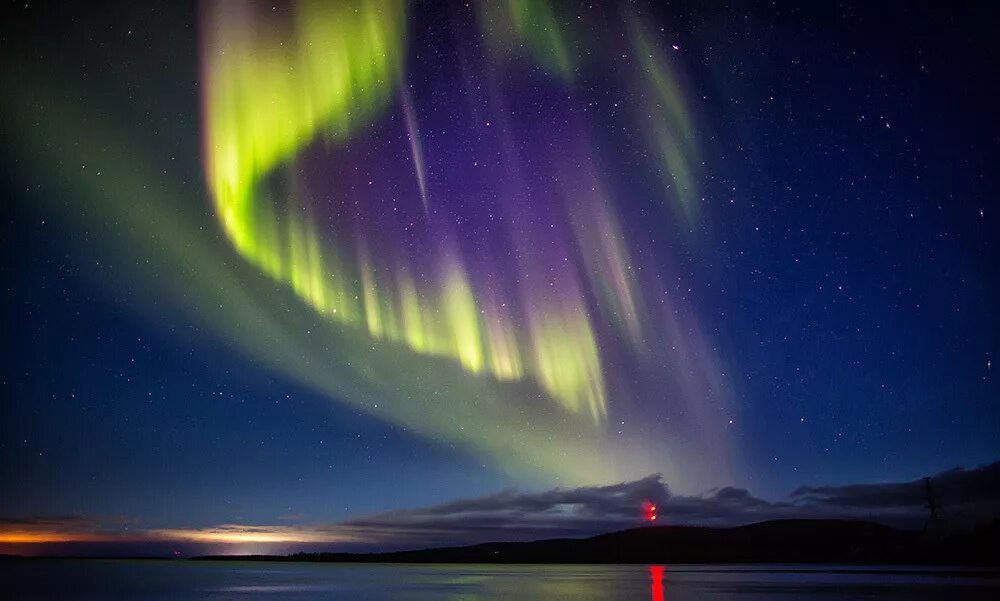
114,580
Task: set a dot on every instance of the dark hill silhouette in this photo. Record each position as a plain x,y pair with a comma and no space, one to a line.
779,541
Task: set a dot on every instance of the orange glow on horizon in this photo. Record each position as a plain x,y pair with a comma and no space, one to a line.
235,534
223,534
31,537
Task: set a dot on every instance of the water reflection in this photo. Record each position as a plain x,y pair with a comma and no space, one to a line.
101,580
656,573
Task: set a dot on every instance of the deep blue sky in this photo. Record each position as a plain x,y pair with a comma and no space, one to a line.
845,272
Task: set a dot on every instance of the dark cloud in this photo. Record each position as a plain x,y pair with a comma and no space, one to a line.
965,496
957,486
513,515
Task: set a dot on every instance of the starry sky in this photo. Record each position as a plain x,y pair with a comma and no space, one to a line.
268,266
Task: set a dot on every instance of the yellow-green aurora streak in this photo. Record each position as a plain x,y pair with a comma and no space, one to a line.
517,373
270,95
93,178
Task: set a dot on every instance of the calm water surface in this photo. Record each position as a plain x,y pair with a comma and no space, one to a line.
114,580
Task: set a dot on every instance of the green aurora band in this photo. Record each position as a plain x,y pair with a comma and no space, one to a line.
434,353
270,96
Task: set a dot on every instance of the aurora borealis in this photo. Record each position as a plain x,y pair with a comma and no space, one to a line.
268,98
496,262
325,259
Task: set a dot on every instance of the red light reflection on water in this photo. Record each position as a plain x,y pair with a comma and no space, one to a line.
656,574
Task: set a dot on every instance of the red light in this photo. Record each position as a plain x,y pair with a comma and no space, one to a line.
656,574
649,512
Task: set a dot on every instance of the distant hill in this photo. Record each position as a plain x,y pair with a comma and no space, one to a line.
779,541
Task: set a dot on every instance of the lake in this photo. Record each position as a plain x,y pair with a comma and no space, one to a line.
113,580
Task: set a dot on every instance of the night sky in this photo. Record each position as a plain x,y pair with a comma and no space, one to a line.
278,267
